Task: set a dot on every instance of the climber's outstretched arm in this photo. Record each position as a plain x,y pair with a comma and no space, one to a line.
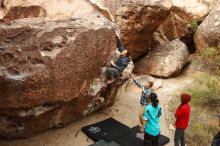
138,83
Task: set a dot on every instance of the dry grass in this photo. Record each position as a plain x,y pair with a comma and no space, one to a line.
205,104
211,57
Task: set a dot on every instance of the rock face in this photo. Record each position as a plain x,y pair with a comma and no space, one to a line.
24,12
54,10
195,8
50,66
165,61
108,8
140,20
137,20
177,24
208,33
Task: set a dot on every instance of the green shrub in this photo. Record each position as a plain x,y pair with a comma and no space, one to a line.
205,104
193,25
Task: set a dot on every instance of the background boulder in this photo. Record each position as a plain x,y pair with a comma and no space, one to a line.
182,21
208,33
164,61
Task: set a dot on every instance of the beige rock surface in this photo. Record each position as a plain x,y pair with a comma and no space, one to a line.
208,33
195,8
55,9
175,26
165,61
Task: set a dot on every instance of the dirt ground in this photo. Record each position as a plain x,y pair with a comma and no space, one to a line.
124,110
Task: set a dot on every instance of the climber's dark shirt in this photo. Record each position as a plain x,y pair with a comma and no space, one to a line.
121,63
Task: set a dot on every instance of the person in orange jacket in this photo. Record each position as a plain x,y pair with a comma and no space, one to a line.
182,119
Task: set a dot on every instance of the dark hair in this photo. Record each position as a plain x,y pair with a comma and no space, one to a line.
154,100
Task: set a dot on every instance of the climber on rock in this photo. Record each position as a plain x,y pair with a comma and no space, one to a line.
120,48
117,67
146,91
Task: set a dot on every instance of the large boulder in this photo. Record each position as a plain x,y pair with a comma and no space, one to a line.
137,20
50,71
179,24
196,8
165,61
208,33
107,7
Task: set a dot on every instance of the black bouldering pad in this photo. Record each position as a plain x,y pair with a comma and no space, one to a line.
163,140
112,144
107,130
103,143
129,140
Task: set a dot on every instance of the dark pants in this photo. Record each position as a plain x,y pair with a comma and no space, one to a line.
112,73
150,140
120,45
216,140
179,137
